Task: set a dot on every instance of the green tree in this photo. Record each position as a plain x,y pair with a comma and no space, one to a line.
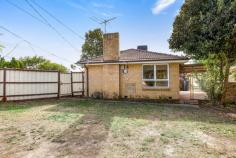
205,27
38,62
32,62
211,80
14,63
47,65
3,62
93,45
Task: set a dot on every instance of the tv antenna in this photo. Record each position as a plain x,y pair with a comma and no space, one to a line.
103,21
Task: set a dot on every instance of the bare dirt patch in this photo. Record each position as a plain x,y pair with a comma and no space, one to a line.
29,133
83,138
221,145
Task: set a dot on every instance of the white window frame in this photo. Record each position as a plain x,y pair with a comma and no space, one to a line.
155,78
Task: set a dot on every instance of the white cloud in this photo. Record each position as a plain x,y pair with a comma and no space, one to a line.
105,14
102,5
177,12
76,5
161,5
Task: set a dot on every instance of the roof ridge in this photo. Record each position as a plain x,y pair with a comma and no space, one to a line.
147,51
123,51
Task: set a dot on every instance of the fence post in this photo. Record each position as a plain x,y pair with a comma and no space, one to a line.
59,85
72,91
4,99
87,81
82,84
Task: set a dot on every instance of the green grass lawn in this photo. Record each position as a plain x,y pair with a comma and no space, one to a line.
96,128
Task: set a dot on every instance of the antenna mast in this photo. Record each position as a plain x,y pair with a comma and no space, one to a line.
103,22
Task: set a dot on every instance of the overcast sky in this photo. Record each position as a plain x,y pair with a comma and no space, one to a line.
139,22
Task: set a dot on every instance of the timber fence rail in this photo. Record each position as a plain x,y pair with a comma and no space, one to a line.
26,84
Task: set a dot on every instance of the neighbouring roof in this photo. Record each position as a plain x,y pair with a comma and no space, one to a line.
192,68
136,55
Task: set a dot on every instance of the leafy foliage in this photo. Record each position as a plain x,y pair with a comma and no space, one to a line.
212,81
93,45
14,63
48,65
35,62
204,28
32,62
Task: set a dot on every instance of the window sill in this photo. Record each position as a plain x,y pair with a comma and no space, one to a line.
156,88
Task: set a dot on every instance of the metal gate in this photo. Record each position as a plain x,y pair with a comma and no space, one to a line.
71,84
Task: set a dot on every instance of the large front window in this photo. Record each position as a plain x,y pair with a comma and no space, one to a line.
156,76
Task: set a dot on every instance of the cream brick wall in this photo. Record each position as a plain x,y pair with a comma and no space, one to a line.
109,80
105,79
134,78
95,79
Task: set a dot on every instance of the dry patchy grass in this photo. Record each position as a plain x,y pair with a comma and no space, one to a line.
106,129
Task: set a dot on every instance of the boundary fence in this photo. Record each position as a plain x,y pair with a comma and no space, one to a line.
24,84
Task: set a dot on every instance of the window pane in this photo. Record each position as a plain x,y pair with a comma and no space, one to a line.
148,71
162,83
161,72
149,83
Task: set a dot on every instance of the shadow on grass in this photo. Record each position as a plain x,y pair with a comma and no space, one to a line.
86,135
84,138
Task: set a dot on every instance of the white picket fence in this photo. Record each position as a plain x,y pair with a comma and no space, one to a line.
19,84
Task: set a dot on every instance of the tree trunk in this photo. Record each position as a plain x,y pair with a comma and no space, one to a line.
225,84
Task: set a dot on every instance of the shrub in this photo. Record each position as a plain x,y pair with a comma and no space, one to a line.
97,95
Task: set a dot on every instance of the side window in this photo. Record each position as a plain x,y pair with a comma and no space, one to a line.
148,72
148,75
156,76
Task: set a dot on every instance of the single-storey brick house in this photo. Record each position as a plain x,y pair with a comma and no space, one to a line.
132,73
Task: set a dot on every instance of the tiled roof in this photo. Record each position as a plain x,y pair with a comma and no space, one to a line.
136,55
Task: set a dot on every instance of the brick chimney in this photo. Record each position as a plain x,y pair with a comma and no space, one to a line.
111,49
